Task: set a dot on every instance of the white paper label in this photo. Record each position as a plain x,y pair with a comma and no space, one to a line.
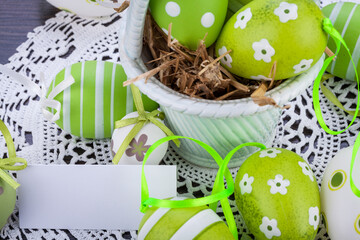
88,196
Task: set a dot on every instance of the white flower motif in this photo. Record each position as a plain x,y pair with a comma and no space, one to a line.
278,185
314,217
303,65
306,170
269,228
226,60
243,18
263,50
261,77
286,11
245,184
270,152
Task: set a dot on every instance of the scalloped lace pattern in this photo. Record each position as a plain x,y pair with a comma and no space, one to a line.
66,39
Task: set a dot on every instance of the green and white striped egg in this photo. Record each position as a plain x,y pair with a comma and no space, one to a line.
7,202
200,223
345,17
90,106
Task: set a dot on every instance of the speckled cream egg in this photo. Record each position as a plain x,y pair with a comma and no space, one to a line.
90,106
135,152
340,206
345,17
7,202
191,20
277,195
200,223
88,8
263,32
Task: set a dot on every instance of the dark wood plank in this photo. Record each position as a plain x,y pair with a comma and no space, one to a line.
17,18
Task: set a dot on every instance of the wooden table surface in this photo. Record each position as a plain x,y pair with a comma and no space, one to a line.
17,18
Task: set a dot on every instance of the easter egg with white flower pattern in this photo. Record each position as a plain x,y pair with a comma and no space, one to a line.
7,201
136,150
267,32
191,20
339,205
277,195
199,223
345,17
97,98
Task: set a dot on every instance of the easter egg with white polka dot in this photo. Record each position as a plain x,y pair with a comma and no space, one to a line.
135,152
267,32
199,223
97,98
277,195
345,17
191,20
7,202
340,206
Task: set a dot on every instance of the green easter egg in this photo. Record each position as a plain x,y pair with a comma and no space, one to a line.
267,31
7,202
200,223
345,17
277,195
90,107
191,20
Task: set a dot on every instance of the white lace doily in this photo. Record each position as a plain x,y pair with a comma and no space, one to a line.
66,39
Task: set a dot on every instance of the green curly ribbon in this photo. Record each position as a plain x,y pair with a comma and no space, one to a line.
219,193
331,97
140,121
8,164
329,28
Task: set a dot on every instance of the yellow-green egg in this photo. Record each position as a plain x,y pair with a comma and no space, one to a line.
277,195
200,223
7,202
263,32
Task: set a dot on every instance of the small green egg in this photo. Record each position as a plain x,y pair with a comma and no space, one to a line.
191,20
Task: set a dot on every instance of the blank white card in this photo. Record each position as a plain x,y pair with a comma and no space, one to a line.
88,197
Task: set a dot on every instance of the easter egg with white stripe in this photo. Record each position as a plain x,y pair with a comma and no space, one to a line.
97,98
265,34
339,205
7,201
135,152
191,20
345,16
280,199
199,223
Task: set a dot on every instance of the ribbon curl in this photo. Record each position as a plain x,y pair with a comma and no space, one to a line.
140,121
219,192
46,102
8,164
329,28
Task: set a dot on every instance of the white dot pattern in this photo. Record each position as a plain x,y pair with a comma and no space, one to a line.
172,9
208,19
